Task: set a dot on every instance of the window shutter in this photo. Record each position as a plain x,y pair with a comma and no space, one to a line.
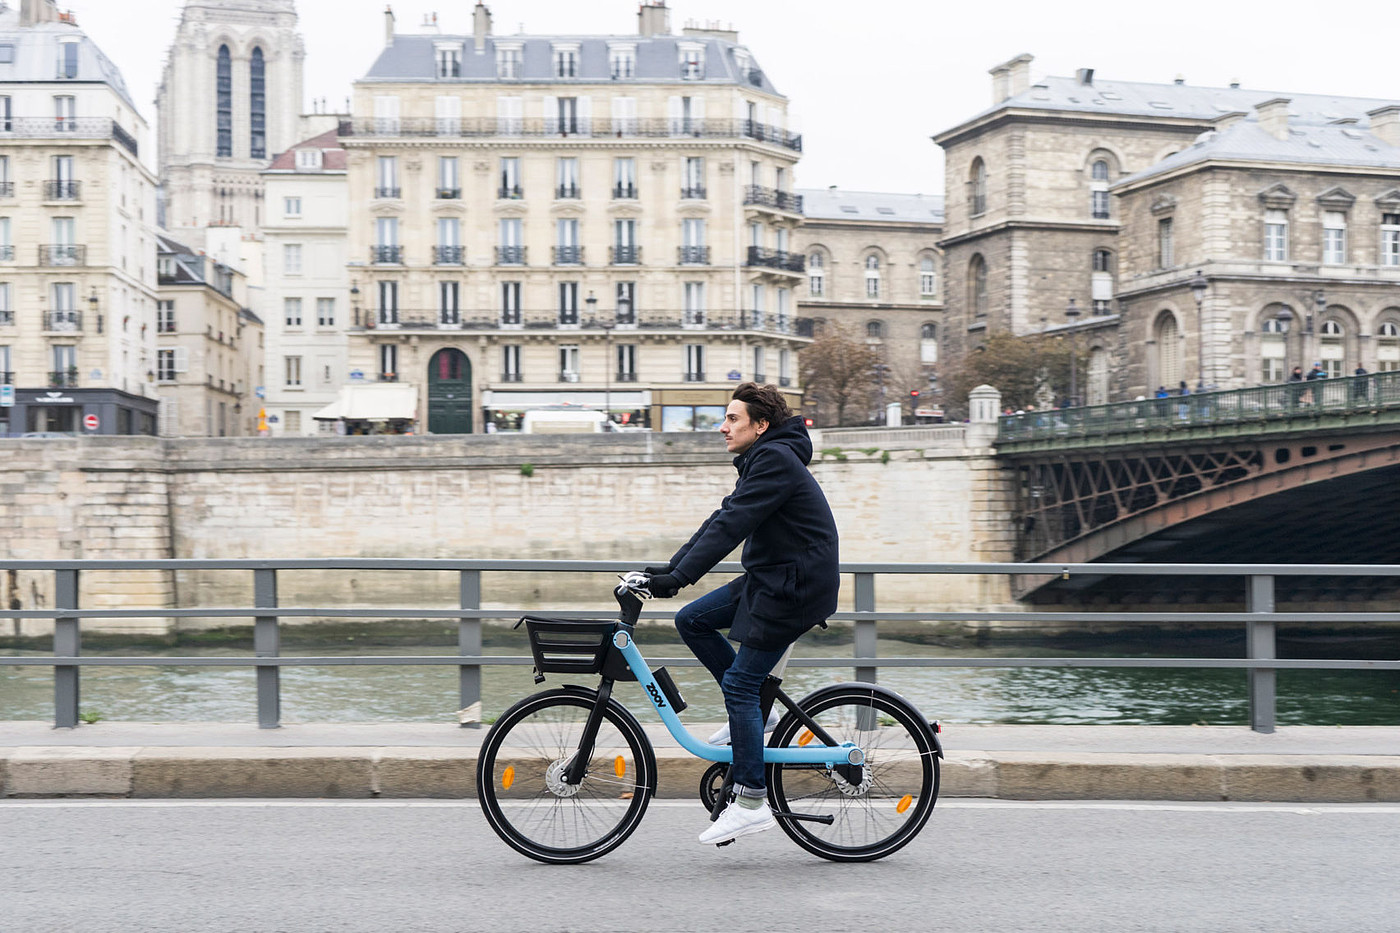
386,114
585,116
1103,286
508,116
624,115
673,114
182,359
551,114
449,115
697,114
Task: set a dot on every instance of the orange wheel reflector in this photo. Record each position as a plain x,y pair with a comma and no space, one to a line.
805,737
904,803
507,777
619,766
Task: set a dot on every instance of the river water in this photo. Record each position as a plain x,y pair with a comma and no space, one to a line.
1133,696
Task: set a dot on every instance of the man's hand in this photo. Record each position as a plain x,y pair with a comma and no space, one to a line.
663,585
657,570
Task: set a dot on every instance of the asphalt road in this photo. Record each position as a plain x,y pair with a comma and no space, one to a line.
407,866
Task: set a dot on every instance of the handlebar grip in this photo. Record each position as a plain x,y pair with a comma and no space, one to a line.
630,603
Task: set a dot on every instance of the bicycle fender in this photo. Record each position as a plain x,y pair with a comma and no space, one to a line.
864,687
591,694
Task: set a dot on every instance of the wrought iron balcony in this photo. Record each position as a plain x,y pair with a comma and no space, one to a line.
567,191
694,377
7,378
694,256
784,381
693,192
62,254
62,190
449,194
510,255
624,255
512,377
7,253
775,259
772,197
390,255
624,192
64,379
567,255
448,255
7,189
7,318
510,192
386,192
67,127
515,127
63,320
625,377
567,376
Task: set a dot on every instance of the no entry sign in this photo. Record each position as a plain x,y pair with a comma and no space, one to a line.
90,422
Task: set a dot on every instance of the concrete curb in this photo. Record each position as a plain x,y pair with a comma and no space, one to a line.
449,772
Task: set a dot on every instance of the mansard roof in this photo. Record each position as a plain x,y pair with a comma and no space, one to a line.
332,154
870,206
36,51
413,58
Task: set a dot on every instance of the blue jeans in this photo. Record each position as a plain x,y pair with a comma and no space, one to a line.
740,675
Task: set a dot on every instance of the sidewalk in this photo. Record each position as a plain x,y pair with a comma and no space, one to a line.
1314,764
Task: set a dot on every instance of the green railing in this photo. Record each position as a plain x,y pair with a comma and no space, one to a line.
1260,404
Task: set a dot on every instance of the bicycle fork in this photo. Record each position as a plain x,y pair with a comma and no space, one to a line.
574,773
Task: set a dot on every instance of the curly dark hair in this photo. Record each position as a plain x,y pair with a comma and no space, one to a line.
764,402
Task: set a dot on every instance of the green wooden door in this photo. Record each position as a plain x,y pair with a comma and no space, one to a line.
449,393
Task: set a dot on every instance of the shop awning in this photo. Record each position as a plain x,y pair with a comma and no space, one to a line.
619,399
373,402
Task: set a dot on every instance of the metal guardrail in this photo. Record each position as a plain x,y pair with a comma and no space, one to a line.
1258,404
1260,663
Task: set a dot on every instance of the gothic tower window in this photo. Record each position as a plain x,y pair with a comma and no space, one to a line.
257,105
224,103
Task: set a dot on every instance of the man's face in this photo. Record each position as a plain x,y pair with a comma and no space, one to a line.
738,429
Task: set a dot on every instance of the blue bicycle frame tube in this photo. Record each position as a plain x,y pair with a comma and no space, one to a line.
813,754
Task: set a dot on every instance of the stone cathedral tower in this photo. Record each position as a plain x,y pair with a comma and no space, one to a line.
229,100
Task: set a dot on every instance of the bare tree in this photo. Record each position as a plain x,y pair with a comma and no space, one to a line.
839,376
1028,371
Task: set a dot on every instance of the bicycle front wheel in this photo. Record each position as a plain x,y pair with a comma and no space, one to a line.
897,787
519,778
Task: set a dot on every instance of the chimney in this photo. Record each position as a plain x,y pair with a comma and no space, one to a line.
1084,76
38,11
1010,78
481,25
388,25
653,19
1385,124
1273,117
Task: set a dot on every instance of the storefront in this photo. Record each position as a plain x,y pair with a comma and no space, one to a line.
698,409
373,408
78,411
504,410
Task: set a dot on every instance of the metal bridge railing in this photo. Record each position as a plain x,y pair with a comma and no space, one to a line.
1260,663
1291,400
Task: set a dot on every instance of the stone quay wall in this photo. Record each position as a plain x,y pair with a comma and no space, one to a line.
625,497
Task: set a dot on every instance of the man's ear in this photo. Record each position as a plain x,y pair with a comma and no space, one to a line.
761,426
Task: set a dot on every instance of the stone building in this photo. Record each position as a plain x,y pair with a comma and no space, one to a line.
597,221
209,346
874,266
230,99
307,293
1105,198
77,239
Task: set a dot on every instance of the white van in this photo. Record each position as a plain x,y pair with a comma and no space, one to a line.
563,421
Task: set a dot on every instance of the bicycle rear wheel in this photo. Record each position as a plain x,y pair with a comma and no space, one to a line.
520,769
898,785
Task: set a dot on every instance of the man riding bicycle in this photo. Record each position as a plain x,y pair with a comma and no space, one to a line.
789,585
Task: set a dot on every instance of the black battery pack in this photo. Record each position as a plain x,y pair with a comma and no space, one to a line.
669,688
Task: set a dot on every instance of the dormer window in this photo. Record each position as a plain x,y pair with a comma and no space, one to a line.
622,61
566,60
449,60
308,158
507,60
67,58
692,61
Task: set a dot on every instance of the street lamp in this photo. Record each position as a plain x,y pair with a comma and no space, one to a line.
355,301
1319,302
1285,318
92,303
1072,315
1199,286
592,302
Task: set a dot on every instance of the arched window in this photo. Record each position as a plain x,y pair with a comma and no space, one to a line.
1332,349
1388,345
875,330
257,106
928,278
1102,282
1273,343
928,344
977,187
1098,376
223,111
1168,336
816,275
1098,190
872,276
977,286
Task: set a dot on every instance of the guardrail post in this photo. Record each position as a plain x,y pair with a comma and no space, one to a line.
67,640
1259,644
267,643
469,645
864,646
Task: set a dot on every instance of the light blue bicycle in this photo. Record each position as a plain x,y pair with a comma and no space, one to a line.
565,776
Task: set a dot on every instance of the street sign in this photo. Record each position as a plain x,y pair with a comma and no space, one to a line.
735,375
7,396
260,392
90,422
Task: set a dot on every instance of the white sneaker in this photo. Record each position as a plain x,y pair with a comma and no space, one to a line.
721,736
736,821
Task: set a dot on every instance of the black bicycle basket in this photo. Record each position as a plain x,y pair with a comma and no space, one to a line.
570,646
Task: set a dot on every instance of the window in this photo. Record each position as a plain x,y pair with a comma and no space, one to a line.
1334,237
874,330
693,178
563,117
1098,376
386,114
568,303
568,363
448,185
757,302
1168,336
625,178
387,185
223,103
511,251
7,247
977,188
67,58
1275,236
7,313
692,61
566,61
1098,190
292,368
388,362
510,302
977,286
6,114
7,53
1388,347
257,106
625,248
1332,349
291,207
872,276
626,362
1273,346
1101,282
624,116
567,250
449,61
509,116
1390,239
626,299
507,60
510,362
510,178
165,317
694,362
759,373
784,295
325,312
291,258
449,307
622,61
7,184
449,236
386,232
566,177
308,159
816,275
292,309
65,113
784,367
928,344
693,249
1165,257
165,365
694,304
388,302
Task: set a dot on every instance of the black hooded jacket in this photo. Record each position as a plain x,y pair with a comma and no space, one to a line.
790,549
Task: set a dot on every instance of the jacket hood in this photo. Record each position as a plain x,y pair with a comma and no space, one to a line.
792,434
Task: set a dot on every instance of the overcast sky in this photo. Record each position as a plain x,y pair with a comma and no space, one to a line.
869,80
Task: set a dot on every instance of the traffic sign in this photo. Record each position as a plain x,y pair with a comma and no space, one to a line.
7,396
90,422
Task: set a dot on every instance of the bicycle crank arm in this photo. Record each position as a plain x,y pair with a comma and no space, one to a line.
828,819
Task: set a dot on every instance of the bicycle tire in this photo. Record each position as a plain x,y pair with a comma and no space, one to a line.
525,803
899,784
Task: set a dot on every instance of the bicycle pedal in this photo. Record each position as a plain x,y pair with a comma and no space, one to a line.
727,842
